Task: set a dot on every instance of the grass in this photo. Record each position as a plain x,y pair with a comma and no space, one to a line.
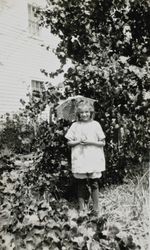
127,206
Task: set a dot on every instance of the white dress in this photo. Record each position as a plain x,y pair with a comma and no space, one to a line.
87,160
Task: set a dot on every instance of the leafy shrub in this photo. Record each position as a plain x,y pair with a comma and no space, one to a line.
16,135
38,220
107,43
53,157
109,64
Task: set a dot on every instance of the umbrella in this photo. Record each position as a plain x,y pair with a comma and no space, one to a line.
67,108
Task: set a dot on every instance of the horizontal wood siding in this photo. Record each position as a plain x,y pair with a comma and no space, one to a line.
21,55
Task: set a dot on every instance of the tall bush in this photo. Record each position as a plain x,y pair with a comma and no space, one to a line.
107,42
16,134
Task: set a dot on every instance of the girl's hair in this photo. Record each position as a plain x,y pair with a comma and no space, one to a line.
86,104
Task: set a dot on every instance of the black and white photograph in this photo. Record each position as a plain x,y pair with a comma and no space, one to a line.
74,124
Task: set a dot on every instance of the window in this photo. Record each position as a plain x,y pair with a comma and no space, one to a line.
37,87
33,21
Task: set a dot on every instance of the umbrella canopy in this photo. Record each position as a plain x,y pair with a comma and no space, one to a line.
67,109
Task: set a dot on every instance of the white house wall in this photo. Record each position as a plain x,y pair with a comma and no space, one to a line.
21,55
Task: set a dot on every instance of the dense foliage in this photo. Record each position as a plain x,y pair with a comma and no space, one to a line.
16,135
107,42
33,218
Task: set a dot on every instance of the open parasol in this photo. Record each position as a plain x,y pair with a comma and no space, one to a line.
67,108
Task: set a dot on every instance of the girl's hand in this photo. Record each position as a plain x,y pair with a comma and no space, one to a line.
83,141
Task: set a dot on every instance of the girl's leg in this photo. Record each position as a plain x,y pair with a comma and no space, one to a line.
81,193
95,194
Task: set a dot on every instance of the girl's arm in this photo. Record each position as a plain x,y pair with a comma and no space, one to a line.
73,143
96,143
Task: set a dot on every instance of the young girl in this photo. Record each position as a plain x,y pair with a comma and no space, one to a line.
87,139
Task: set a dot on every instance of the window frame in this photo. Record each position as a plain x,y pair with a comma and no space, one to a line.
33,21
37,87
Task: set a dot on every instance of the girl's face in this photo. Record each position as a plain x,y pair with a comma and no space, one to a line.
85,114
